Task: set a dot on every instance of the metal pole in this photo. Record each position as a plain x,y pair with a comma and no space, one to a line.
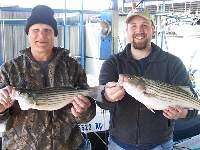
66,43
115,5
163,32
82,51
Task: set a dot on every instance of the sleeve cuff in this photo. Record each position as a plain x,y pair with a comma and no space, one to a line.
191,114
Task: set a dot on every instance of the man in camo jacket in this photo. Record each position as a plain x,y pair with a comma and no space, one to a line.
40,66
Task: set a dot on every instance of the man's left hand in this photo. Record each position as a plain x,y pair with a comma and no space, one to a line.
80,105
175,112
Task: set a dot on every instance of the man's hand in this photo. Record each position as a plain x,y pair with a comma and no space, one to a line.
114,91
80,105
175,112
6,100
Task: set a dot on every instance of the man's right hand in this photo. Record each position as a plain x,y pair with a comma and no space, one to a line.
5,98
114,92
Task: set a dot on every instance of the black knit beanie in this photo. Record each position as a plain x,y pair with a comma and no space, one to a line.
42,14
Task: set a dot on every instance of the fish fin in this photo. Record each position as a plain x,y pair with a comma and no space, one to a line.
186,88
150,109
149,95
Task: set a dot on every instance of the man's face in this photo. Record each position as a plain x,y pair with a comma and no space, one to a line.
140,31
41,38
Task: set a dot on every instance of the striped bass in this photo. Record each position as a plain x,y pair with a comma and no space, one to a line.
51,98
156,95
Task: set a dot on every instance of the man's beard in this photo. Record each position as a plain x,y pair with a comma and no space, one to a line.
140,45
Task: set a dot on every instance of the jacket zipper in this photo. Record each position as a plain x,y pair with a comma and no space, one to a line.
137,128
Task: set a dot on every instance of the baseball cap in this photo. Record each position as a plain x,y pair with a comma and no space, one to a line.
134,13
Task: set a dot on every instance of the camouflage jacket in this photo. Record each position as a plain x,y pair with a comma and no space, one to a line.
42,130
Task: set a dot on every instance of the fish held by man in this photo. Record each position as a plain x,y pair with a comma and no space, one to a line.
52,98
157,95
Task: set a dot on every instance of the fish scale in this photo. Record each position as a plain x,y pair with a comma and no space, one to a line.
166,91
52,98
158,95
170,92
